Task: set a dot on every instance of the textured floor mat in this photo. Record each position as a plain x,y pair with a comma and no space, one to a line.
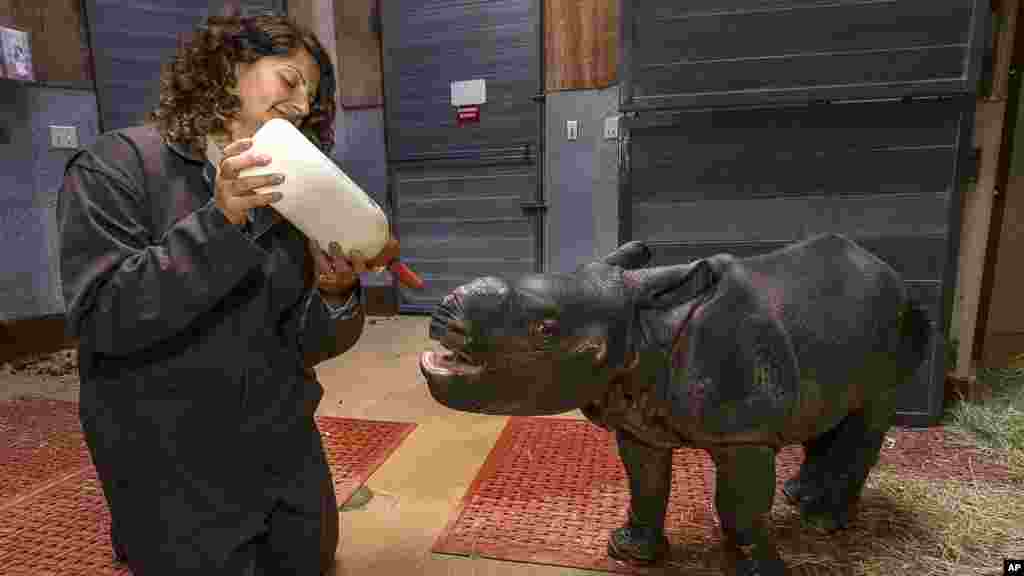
552,489
40,441
356,448
54,519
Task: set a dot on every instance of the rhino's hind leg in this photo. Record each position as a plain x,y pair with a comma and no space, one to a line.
844,470
807,484
744,491
649,471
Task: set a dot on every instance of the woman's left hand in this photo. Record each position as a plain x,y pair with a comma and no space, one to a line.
337,274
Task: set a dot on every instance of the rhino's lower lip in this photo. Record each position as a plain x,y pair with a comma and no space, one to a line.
449,364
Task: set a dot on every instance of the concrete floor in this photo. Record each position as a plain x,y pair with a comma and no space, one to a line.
416,489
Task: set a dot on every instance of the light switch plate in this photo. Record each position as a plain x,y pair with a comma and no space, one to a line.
611,127
572,129
64,137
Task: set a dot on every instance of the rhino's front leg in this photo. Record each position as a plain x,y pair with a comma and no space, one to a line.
649,471
744,490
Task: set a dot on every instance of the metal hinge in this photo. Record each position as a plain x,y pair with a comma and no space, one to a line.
534,206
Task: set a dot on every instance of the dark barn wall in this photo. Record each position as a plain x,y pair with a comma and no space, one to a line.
30,176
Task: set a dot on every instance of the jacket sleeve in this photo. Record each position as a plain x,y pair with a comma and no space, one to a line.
329,331
124,289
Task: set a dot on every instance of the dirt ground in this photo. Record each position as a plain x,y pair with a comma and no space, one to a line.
51,375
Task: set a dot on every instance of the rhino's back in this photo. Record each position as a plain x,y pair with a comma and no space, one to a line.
779,353
836,300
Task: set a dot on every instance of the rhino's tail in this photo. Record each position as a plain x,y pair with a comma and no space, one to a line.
915,332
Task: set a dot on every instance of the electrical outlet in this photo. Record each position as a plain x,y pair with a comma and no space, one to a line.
64,137
572,129
611,127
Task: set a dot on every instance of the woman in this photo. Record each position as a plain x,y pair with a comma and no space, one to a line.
200,314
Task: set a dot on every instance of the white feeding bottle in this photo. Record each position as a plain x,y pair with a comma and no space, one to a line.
317,196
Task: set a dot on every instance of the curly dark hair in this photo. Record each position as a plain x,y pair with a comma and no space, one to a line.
198,88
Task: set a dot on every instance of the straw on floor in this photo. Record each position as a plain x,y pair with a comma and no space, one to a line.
53,516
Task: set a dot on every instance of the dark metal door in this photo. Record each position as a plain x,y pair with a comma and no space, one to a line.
886,174
465,201
132,39
751,124
744,52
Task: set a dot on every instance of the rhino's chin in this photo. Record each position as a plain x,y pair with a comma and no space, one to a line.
453,382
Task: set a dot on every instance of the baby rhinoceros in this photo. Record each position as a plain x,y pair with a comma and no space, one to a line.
737,356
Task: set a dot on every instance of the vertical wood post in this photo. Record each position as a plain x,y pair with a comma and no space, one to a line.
977,213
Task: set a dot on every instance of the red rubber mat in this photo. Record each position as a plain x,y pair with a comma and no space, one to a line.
59,525
552,489
40,440
356,448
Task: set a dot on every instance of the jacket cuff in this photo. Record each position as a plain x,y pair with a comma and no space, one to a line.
348,310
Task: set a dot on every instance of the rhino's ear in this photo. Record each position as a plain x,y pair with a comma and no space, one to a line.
670,286
631,255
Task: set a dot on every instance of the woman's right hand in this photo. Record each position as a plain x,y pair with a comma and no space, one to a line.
236,196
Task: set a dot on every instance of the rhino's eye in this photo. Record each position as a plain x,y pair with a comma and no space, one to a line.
547,328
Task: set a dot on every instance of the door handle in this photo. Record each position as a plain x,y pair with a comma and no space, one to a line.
533,206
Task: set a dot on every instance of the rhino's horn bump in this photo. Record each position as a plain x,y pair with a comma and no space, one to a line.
631,255
602,353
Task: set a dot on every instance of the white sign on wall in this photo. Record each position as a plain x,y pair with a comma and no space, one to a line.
469,93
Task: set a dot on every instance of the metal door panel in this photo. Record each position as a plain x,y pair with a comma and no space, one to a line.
467,200
746,52
774,219
748,181
920,256
430,44
461,222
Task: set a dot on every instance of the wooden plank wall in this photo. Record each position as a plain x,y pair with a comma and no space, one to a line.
359,50
56,40
581,39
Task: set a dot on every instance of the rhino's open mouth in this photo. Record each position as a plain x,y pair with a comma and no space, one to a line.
455,360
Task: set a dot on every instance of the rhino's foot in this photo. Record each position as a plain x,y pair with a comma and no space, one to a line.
799,491
761,567
827,520
637,546
854,452
828,514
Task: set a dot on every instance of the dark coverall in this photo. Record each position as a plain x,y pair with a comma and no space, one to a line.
197,340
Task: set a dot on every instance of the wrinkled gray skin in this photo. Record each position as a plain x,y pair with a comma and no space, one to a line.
740,357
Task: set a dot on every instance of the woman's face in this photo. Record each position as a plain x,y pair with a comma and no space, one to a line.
274,87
